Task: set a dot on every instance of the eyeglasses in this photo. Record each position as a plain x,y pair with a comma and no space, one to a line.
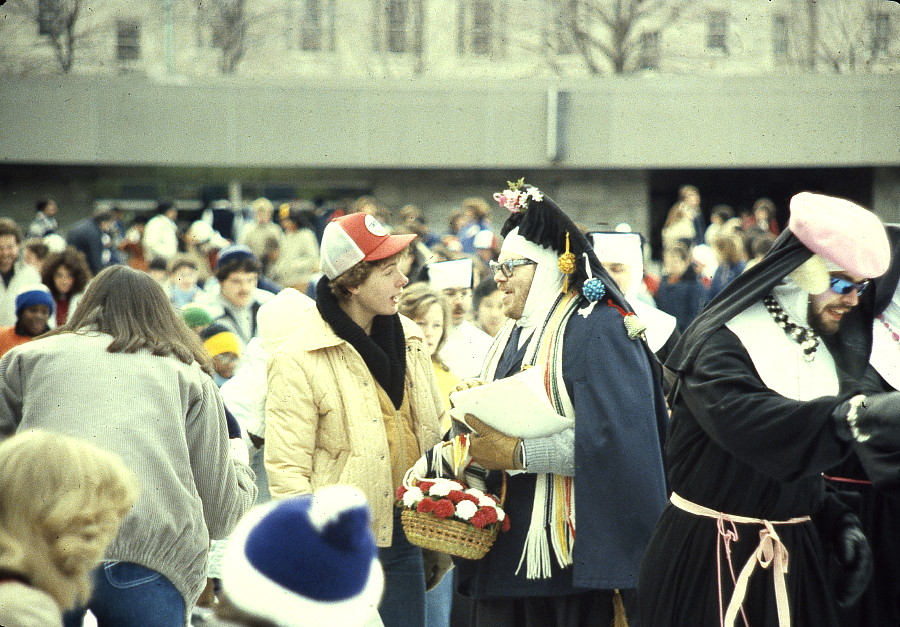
843,286
507,267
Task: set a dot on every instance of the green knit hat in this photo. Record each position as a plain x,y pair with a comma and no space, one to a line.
195,315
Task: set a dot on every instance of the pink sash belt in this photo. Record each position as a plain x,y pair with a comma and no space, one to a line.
770,552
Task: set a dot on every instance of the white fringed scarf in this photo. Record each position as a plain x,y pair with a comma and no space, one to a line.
554,495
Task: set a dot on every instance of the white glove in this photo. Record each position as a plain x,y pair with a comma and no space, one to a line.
239,451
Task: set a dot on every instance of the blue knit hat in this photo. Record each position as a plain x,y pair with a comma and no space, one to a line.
307,560
37,294
232,252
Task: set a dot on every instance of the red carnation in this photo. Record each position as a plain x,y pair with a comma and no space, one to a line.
456,496
505,525
401,490
470,497
490,513
444,509
479,520
425,485
425,505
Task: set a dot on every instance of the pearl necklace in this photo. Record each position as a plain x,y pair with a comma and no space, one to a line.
804,336
887,326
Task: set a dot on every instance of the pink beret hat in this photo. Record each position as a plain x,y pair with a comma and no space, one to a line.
842,232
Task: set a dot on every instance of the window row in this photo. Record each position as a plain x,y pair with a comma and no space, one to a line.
398,27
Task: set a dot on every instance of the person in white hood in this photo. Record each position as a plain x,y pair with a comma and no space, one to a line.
245,393
622,256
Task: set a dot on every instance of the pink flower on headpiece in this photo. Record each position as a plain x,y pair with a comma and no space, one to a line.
508,200
516,198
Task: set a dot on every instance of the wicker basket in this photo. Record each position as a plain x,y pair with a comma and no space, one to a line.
453,537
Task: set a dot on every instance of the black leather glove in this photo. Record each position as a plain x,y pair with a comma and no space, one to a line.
870,417
849,558
436,566
256,440
855,558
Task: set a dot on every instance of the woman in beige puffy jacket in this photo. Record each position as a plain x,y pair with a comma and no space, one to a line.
352,399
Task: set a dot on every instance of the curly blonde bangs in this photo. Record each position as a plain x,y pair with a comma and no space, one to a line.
61,503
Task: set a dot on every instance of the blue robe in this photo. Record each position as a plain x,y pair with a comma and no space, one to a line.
620,488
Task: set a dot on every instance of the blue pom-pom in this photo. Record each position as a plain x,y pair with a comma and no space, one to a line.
593,289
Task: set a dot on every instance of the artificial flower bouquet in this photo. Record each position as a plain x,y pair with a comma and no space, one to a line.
517,197
444,515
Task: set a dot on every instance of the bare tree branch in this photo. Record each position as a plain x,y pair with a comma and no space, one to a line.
230,24
840,37
57,20
607,33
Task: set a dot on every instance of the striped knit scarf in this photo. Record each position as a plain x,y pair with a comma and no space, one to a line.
554,495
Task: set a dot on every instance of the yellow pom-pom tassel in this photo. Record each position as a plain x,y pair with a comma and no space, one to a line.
566,264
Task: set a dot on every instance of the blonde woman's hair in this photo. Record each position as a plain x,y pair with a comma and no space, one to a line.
416,300
478,206
61,503
731,246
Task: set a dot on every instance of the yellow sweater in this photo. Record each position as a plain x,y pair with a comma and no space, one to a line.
446,382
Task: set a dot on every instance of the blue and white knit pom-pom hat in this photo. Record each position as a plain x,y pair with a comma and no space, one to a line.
308,560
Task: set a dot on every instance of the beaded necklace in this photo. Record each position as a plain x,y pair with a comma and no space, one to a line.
804,336
887,326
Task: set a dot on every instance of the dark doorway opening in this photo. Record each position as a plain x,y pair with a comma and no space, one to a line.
740,188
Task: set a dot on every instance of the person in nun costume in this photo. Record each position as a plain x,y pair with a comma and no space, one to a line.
604,477
767,398
622,256
877,506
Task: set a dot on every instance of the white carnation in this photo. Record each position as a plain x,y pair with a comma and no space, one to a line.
412,497
500,514
466,509
486,501
441,487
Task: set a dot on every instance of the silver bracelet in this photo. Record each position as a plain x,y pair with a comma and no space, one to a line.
852,417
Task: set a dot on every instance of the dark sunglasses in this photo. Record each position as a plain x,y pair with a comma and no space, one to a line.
507,267
843,286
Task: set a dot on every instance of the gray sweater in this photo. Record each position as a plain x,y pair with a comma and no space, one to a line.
167,422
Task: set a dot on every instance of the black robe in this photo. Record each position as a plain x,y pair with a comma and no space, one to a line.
738,447
879,515
878,512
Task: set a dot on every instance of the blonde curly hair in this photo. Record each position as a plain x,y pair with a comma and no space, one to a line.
61,503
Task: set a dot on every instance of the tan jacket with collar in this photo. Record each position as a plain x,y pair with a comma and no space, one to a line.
324,422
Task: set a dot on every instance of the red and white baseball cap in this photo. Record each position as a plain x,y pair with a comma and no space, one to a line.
357,237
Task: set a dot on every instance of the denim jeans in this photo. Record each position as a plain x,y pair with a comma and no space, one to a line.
403,603
258,465
130,595
439,602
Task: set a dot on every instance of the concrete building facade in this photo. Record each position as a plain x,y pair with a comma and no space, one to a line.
430,101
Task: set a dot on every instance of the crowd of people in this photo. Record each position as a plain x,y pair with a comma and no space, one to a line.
239,398
700,259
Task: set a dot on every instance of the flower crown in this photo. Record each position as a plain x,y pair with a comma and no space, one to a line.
518,196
